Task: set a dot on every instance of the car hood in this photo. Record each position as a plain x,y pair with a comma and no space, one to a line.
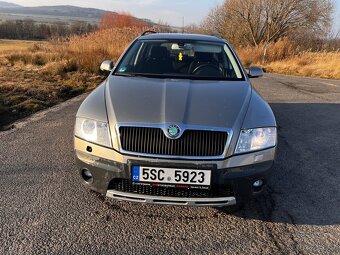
139,100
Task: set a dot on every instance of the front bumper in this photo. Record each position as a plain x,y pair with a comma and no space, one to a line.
237,174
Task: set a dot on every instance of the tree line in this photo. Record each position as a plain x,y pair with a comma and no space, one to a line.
32,30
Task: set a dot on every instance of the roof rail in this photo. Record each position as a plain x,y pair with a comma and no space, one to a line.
148,32
218,36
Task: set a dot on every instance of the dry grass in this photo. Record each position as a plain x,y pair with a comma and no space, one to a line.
92,49
311,64
8,46
25,89
285,58
77,53
34,76
281,50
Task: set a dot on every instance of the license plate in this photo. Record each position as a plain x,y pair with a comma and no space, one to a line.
174,176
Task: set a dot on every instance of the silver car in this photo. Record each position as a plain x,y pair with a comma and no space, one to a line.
176,122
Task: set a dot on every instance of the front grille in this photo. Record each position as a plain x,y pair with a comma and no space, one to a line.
125,185
193,143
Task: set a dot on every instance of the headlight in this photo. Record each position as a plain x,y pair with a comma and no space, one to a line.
93,131
256,139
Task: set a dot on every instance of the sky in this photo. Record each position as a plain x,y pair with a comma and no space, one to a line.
336,26
169,11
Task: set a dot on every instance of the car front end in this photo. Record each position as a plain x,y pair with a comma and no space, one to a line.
175,140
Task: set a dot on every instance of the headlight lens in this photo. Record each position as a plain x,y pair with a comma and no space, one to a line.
93,131
256,139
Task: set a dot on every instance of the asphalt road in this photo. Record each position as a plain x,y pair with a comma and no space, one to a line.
44,208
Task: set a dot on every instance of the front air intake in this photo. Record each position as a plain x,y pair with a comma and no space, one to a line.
192,143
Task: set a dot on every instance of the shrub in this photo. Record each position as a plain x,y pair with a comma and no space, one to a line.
26,58
70,66
30,105
38,60
119,20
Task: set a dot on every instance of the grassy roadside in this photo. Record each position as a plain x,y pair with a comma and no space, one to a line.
310,64
307,64
28,83
283,57
37,75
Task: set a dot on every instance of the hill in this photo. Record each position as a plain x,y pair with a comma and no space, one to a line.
8,5
47,14
56,11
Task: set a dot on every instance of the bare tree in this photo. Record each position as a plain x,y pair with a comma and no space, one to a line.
264,21
162,27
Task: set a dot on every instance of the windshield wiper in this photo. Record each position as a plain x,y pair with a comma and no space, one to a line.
137,75
148,75
126,74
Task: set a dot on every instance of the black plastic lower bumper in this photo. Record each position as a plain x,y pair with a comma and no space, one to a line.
240,179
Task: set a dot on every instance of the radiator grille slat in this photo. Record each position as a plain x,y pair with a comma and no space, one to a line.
192,143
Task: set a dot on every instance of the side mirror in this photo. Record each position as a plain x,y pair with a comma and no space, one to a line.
255,72
107,66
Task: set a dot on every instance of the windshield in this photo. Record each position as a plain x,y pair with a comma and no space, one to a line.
180,59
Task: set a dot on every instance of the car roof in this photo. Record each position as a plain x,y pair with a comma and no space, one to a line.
178,36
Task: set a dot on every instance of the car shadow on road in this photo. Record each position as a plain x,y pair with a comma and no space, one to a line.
304,186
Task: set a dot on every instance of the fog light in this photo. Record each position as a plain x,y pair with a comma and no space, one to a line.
258,184
87,175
